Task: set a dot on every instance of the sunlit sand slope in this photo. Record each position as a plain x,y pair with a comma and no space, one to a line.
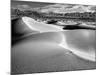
40,26
42,52
51,48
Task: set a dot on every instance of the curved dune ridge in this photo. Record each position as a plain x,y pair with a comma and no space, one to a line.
19,27
34,25
82,43
41,27
53,49
43,53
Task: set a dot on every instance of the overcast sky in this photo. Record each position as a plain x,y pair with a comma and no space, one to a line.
31,4
54,7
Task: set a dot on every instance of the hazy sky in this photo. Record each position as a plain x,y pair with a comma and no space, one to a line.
52,7
31,4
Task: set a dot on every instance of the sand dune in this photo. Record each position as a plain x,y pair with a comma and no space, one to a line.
40,53
53,49
42,27
74,40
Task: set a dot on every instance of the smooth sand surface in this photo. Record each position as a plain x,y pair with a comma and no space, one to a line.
40,26
81,42
52,49
42,53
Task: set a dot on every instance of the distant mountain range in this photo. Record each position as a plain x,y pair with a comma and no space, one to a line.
60,8
55,11
64,8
